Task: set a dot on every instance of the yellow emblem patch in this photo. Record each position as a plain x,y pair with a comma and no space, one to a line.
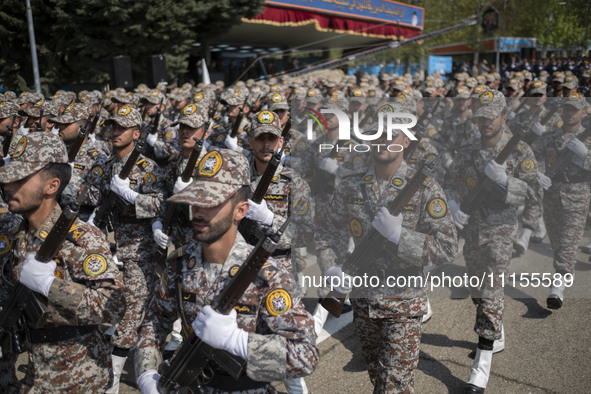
437,208
400,99
356,228
559,123
96,171
470,182
4,244
75,233
266,117
368,178
276,98
43,234
191,262
69,108
198,97
189,109
278,302
431,132
149,178
95,264
486,97
527,166
300,146
21,145
169,135
233,269
301,207
124,111
537,84
211,164
2,104
397,181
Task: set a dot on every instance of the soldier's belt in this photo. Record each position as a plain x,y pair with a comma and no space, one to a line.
225,382
59,334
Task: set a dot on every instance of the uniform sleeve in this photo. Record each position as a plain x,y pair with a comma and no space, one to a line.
284,346
434,241
95,294
152,190
524,183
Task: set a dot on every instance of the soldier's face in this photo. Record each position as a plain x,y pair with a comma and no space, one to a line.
122,137
26,195
211,224
68,132
572,115
489,128
264,145
233,110
283,116
4,124
186,135
380,152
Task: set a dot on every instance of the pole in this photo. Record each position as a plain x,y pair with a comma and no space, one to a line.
33,47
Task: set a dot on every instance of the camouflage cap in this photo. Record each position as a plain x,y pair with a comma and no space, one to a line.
400,84
9,95
576,100
492,104
125,98
48,107
537,87
8,109
490,78
219,176
73,113
266,122
29,97
478,90
527,76
127,117
471,82
152,96
278,101
513,83
558,76
193,115
462,92
313,96
236,96
31,153
570,82
481,79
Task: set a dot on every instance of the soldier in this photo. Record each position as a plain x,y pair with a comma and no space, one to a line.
566,202
271,329
388,319
81,287
142,193
9,120
38,116
163,139
489,230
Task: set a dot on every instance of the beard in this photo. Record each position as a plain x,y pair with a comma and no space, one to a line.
215,231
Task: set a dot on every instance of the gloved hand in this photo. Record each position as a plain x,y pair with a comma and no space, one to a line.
231,142
460,218
448,163
92,137
122,188
496,172
344,280
161,239
260,212
23,130
282,160
577,147
152,138
36,275
221,331
545,181
510,115
148,382
179,185
388,225
91,218
538,129
329,165
55,130
6,160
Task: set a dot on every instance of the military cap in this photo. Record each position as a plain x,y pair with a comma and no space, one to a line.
576,100
29,97
492,104
73,113
193,115
471,82
8,109
278,101
513,83
478,90
125,98
48,107
490,78
481,79
570,82
527,76
256,93
127,117
558,76
462,92
313,96
9,95
400,84
152,96
266,122
220,174
537,87
357,95
236,96
31,153
460,76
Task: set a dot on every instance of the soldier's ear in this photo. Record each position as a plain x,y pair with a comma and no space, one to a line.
51,186
240,210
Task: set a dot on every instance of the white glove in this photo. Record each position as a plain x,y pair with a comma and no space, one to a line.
152,138
448,163
36,275
511,115
122,188
92,137
260,212
538,129
91,218
282,161
231,142
55,130
23,130
7,160
221,331
329,165
460,218
161,239
179,185
344,280
544,181
148,382
496,172
388,225
577,147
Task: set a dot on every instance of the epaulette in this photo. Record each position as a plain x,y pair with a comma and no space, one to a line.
177,253
75,234
286,173
142,163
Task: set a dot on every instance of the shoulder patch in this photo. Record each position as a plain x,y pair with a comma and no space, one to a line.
95,264
527,166
278,302
356,228
4,244
286,173
75,234
233,270
436,208
142,163
246,309
267,271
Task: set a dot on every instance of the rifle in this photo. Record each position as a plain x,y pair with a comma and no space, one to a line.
374,241
114,203
236,124
175,210
38,124
421,129
77,144
565,157
482,190
8,139
191,367
549,115
157,117
25,307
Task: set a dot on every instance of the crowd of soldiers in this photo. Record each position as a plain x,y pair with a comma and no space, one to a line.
107,294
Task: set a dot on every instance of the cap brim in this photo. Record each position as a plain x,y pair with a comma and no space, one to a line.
204,194
17,170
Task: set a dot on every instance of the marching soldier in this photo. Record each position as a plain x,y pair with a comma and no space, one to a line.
82,287
269,328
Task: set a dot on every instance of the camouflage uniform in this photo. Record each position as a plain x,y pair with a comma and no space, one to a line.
281,337
67,350
388,321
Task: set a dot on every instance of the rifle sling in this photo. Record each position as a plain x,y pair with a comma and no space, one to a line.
60,333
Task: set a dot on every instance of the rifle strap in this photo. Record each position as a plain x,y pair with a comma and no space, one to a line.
178,280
